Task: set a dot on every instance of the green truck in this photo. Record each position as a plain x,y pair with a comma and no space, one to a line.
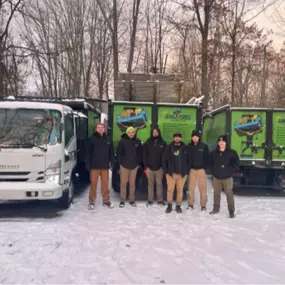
258,136
170,118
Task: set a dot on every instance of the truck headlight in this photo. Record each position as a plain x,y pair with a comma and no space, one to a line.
52,175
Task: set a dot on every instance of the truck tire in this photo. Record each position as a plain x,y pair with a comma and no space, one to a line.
67,196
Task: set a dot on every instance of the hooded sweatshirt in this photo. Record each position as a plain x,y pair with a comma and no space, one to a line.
153,151
175,160
129,152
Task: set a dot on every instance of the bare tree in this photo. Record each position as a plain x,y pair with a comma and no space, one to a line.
135,15
8,8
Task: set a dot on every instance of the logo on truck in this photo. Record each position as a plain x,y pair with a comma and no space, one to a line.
9,166
132,117
177,115
248,125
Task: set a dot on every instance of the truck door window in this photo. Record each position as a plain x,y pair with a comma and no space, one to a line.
68,128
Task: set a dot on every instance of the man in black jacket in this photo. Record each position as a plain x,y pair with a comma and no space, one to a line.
198,157
224,164
99,159
129,154
175,165
152,159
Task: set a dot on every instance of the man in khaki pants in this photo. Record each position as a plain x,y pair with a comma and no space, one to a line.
175,165
152,159
129,154
99,159
198,157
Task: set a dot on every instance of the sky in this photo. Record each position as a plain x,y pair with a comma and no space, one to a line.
269,21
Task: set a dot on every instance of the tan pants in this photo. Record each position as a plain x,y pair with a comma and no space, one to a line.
178,181
94,176
155,177
218,185
197,176
128,175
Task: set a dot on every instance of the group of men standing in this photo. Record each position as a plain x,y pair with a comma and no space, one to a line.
177,161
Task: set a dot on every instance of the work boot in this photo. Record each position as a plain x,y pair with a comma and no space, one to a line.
232,214
161,203
215,211
133,203
168,209
149,203
178,209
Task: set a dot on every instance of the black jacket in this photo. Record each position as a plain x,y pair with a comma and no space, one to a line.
100,152
169,160
224,164
152,153
129,152
198,156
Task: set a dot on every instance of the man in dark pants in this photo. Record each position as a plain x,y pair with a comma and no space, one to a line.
224,164
99,159
129,154
152,159
198,157
175,165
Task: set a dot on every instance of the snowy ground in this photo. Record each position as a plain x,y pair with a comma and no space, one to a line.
144,245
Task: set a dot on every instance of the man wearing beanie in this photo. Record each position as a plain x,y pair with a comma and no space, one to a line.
152,159
224,164
129,154
198,157
175,165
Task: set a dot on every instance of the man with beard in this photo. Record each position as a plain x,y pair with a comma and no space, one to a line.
175,165
129,156
152,159
224,164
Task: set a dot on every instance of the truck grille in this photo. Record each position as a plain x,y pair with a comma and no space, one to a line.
22,176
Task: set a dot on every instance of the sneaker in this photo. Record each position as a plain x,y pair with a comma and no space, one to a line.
161,203
190,207
149,203
203,209
232,214
178,209
133,203
91,206
108,204
122,205
168,209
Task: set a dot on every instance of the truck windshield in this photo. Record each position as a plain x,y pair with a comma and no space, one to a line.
29,127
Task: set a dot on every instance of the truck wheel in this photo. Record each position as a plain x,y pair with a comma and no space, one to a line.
67,196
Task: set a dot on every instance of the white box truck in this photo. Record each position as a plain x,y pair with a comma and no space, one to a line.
38,151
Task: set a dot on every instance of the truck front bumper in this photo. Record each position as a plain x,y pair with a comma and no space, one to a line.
29,191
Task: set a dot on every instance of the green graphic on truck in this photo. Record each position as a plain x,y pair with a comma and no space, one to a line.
278,135
249,134
173,119
132,115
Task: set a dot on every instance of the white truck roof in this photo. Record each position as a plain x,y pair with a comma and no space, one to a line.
33,105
